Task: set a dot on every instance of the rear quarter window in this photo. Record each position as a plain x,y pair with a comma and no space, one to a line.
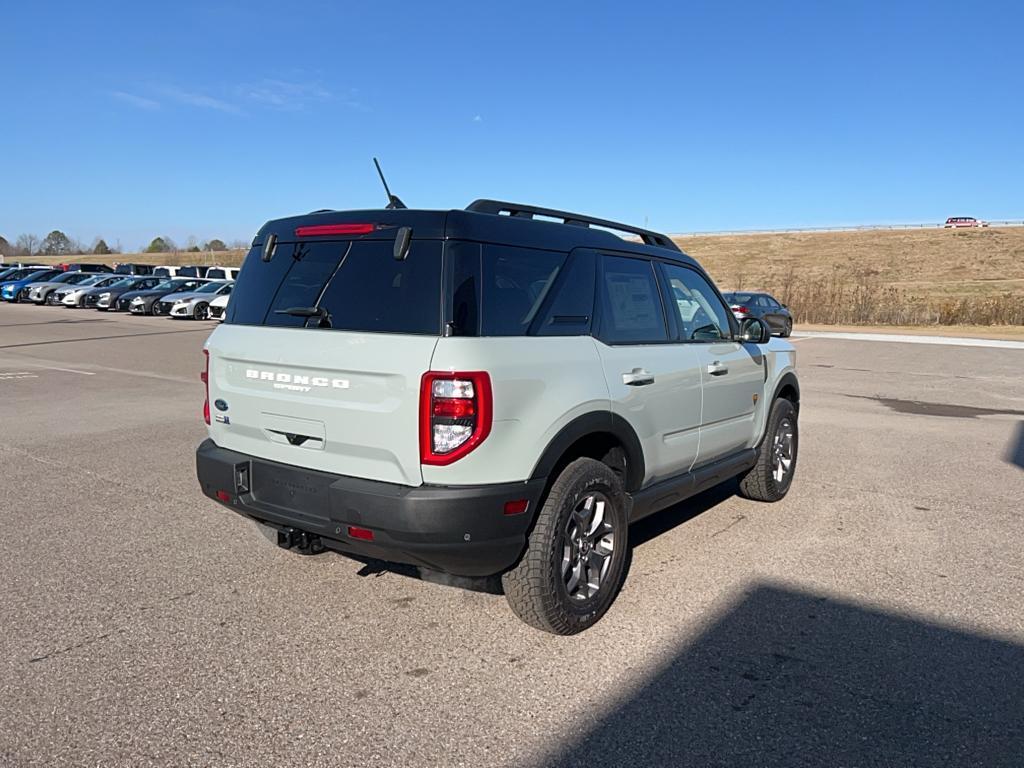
499,290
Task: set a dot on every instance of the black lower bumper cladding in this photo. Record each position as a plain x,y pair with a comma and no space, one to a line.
462,530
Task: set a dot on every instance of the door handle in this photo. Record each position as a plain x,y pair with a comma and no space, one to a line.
638,377
717,369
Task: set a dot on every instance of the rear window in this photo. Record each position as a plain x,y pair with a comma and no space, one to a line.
358,284
739,298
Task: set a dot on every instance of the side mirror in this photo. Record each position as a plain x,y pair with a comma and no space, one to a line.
754,330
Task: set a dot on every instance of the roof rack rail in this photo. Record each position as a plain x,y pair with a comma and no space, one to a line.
518,210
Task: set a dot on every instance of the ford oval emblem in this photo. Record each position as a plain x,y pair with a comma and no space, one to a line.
220,405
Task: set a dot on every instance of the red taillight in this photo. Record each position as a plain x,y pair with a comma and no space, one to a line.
450,408
224,496
319,230
516,507
742,310
205,376
360,533
455,415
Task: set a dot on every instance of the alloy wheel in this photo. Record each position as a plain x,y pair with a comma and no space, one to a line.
589,540
782,450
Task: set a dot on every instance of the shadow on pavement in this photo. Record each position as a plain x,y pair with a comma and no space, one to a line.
794,679
1015,451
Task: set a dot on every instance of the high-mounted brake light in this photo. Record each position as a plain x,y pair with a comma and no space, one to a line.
319,230
205,376
455,415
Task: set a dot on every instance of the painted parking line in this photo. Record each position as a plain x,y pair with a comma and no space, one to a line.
67,370
954,341
13,375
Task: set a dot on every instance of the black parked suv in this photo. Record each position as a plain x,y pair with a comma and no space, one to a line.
134,269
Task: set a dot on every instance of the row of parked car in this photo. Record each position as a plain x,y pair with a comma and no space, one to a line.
183,293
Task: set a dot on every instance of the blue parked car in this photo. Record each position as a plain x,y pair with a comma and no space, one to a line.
12,290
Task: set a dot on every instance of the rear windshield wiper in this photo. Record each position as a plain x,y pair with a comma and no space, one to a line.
323,314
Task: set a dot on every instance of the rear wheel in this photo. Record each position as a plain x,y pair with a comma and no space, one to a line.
769,479
201,311
787,329
575,557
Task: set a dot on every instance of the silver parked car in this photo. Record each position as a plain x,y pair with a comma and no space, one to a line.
43,291
74,295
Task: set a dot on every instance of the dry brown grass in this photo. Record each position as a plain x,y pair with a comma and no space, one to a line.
220,258
885,277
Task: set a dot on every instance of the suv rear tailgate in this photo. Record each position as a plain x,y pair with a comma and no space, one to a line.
336,401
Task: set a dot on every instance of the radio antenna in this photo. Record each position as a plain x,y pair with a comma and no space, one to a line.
393,201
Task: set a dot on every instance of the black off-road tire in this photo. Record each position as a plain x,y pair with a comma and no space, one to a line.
535,588
760,483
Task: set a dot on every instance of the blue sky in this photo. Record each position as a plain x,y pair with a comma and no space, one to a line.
129,120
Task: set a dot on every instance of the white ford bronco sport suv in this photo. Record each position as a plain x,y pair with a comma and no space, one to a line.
496,390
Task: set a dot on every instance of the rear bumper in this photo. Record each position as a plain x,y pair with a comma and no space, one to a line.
460,530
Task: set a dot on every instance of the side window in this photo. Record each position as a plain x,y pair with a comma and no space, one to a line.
701,315
772,303
762,301
631,310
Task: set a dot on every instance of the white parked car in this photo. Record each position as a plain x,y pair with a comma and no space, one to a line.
219,307
196,304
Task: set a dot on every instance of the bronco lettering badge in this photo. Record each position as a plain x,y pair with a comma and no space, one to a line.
294,382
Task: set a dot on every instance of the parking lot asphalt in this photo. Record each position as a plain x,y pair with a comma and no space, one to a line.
874,617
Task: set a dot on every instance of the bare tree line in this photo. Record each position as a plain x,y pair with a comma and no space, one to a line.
56,243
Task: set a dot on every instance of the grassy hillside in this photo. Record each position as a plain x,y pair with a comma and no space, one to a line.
905,277
221,258
887,277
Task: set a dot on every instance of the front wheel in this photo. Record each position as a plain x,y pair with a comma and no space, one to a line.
154,308
769,479
201,311
575,557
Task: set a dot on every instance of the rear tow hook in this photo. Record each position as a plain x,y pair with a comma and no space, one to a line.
302,542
